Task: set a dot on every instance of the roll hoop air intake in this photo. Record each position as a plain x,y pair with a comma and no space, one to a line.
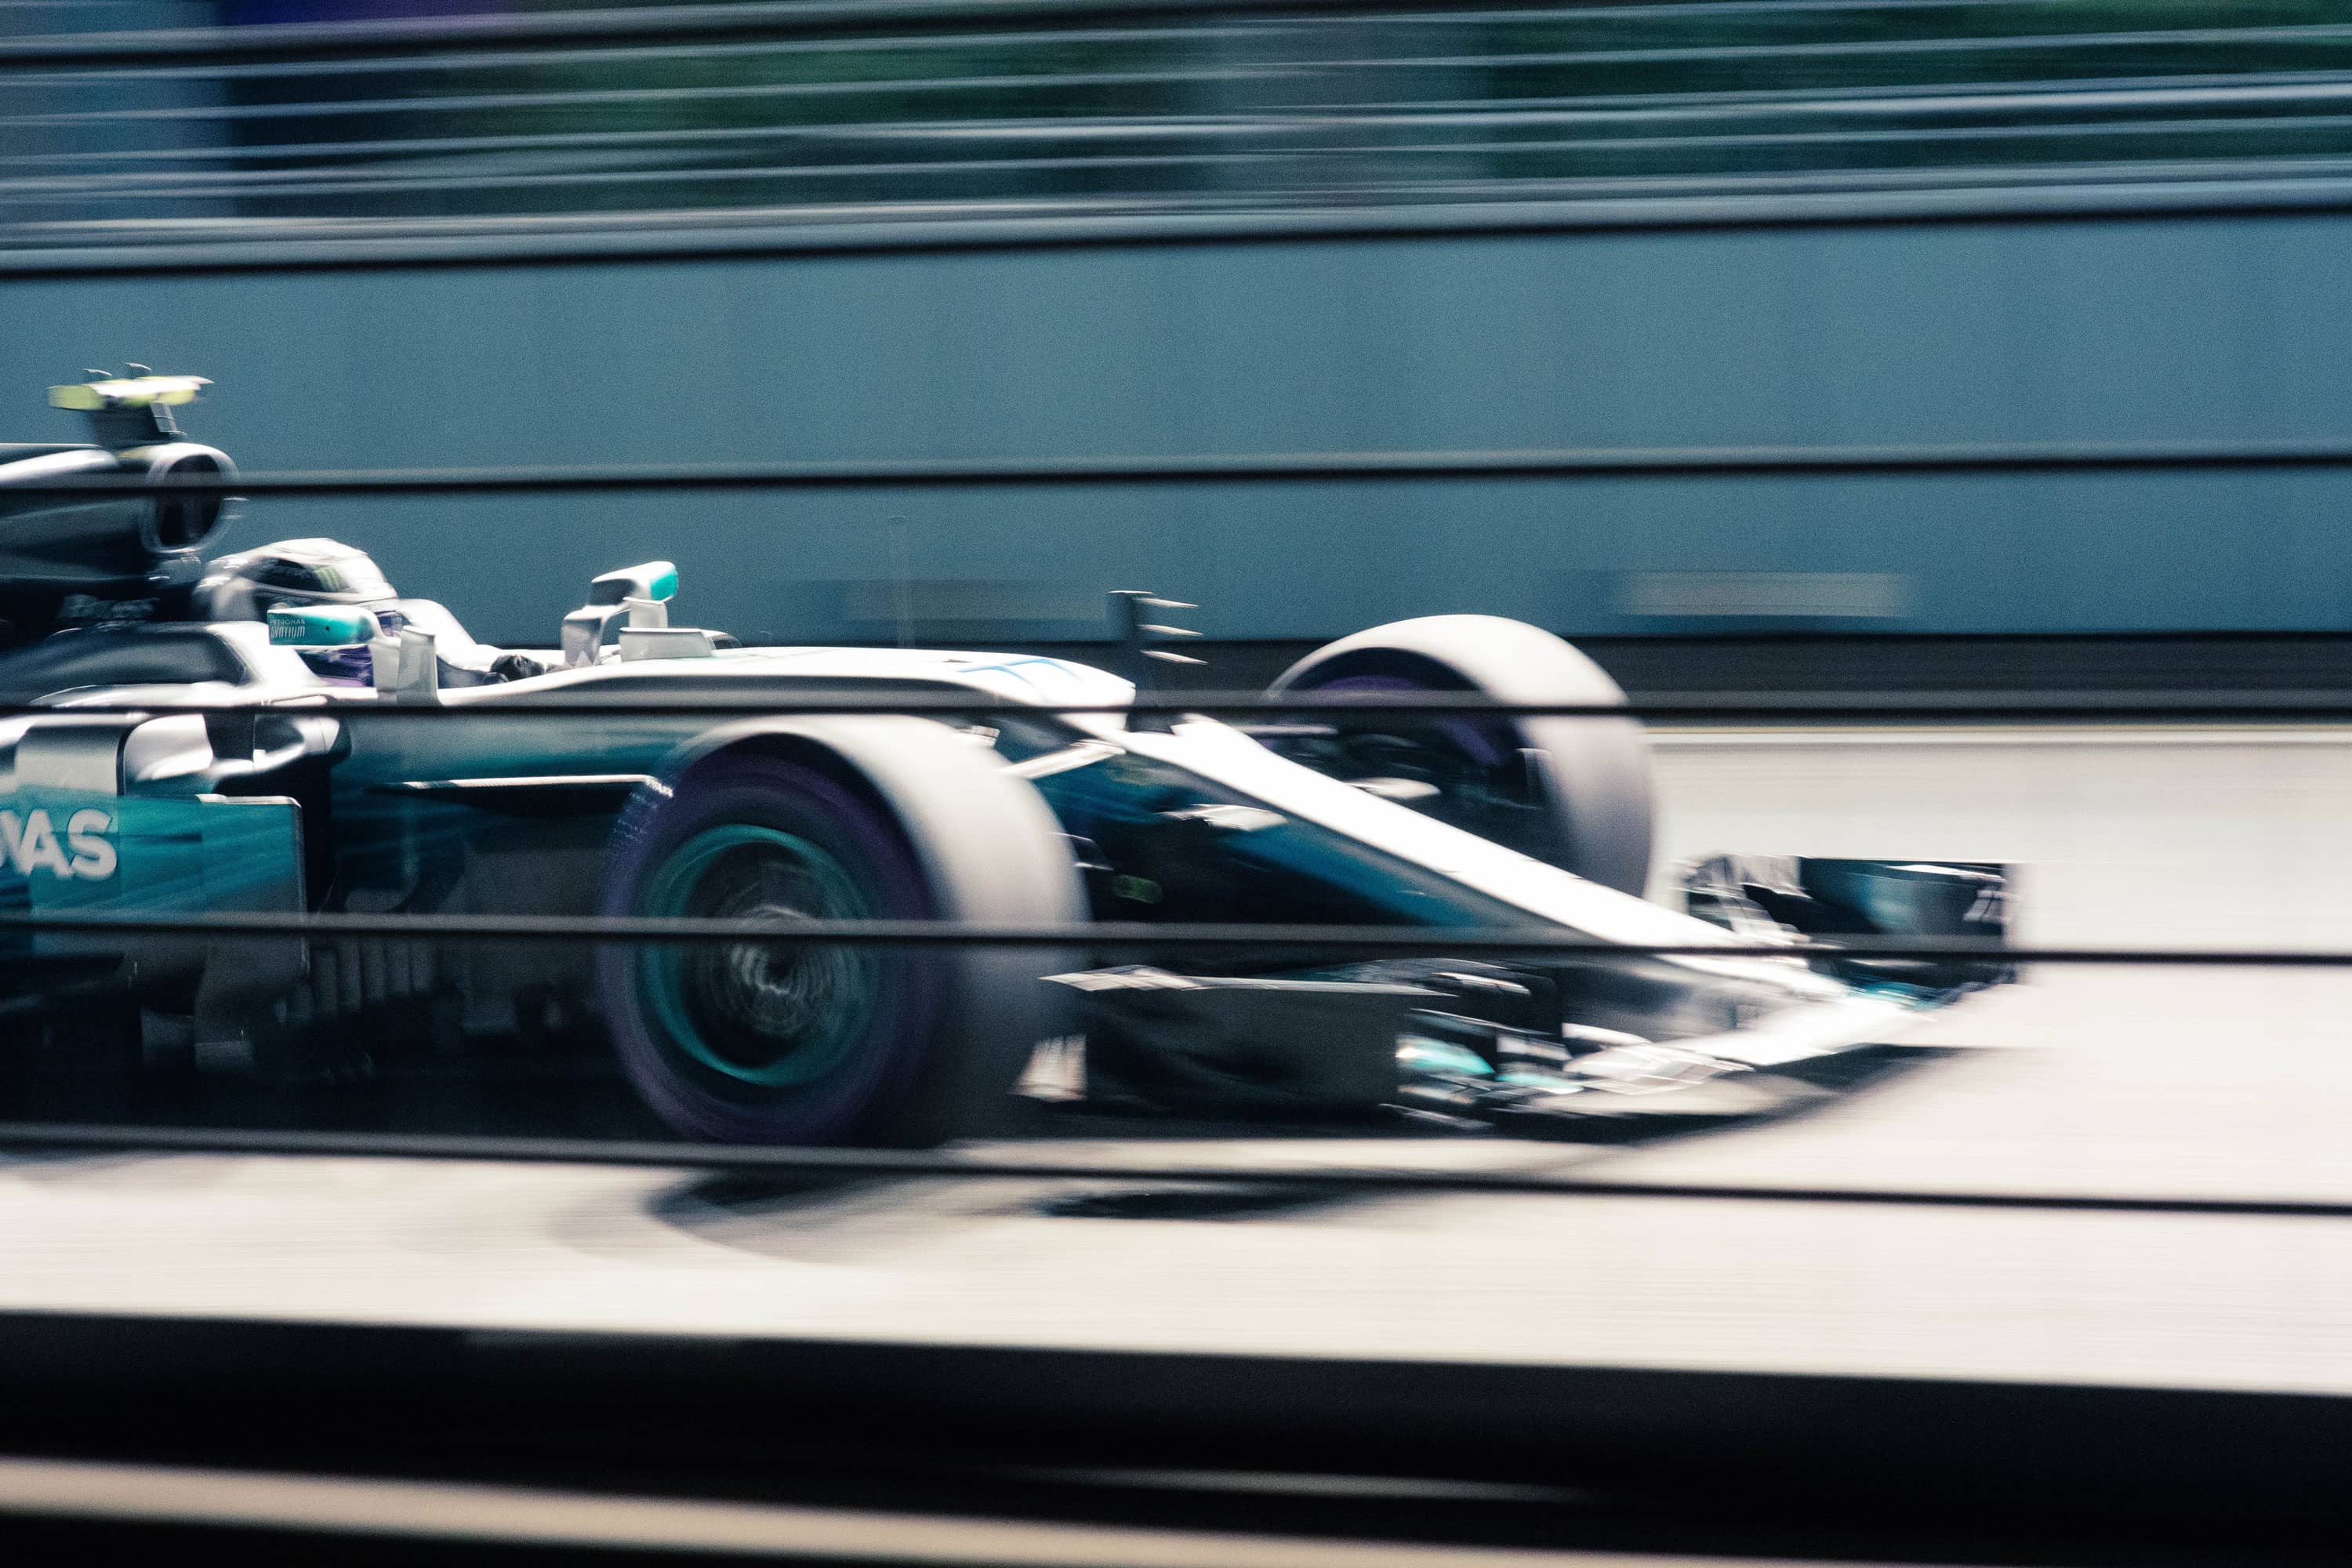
111,547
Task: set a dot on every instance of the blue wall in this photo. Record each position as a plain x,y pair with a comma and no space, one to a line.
2199,328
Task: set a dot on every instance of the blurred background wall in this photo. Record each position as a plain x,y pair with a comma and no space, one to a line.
1034,230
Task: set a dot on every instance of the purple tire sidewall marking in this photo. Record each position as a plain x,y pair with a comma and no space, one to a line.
765,789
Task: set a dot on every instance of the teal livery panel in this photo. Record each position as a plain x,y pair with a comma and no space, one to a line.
66,852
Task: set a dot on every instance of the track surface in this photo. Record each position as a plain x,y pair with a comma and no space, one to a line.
2212,1083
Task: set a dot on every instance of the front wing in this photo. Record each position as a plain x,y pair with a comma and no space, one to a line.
1471,1045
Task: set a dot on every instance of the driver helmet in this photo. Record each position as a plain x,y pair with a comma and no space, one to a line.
247,586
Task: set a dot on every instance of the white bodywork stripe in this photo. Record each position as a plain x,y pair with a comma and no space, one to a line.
1224,753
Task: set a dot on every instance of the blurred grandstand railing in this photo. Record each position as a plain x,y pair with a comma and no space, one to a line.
179,120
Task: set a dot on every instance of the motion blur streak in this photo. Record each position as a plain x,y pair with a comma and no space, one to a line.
915,113
524,1517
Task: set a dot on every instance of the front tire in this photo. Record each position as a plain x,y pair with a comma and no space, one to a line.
786,1042
1574,791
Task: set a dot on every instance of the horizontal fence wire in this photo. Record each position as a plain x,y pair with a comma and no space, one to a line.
34,1137
483,703
2208,188
1233,468
1550,941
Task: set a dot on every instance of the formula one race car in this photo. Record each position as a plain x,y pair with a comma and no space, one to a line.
281,731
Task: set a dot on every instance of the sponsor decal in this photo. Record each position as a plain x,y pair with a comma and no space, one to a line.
30,842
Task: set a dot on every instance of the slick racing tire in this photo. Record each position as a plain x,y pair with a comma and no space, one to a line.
862,818
1573,791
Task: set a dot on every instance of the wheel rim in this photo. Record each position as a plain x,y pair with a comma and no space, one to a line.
769,1014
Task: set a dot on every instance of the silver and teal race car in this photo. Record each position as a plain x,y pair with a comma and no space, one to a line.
282,732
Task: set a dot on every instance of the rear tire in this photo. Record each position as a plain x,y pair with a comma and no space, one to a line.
813,1043
1573,791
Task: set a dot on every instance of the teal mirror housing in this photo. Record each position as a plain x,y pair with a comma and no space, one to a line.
655,580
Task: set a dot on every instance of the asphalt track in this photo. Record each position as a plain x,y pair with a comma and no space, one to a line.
2207,1083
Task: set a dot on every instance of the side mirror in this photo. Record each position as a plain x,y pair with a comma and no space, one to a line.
640,593
655,580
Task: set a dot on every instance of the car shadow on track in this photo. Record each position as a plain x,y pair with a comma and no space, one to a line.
784,1215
